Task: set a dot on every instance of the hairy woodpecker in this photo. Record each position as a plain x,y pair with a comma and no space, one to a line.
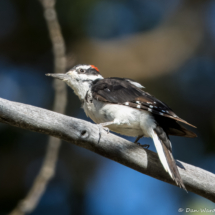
121,105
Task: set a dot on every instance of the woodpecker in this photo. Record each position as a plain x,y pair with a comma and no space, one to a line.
121,105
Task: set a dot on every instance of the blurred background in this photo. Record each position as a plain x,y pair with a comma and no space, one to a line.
166,45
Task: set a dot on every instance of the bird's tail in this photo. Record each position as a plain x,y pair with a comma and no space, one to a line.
164,150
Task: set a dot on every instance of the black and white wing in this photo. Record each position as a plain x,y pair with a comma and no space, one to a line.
129,93
126,92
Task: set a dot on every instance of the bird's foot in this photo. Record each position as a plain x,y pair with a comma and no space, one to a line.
145,146
106,129
102,126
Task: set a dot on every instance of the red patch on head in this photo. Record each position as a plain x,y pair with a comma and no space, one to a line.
94,67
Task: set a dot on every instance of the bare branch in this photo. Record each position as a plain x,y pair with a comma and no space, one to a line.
47,171
86,135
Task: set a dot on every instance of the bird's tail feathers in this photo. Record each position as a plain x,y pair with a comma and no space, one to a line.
164,150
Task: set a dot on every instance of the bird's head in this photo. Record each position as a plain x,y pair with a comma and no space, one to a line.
79,78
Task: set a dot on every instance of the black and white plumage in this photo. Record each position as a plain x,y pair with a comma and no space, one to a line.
121,105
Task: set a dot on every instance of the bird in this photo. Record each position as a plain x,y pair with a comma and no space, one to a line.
122,106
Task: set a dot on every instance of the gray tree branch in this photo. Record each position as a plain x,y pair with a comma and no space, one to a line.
86,135
47,171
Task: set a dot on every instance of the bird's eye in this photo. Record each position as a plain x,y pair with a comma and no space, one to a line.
81,71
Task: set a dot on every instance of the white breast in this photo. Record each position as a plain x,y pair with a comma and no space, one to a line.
129,121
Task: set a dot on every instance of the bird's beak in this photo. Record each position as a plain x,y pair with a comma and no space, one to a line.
63,77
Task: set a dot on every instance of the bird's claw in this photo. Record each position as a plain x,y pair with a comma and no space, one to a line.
106,129
145,146
100,129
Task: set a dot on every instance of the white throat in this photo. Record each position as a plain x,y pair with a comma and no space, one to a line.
83,84
80,88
